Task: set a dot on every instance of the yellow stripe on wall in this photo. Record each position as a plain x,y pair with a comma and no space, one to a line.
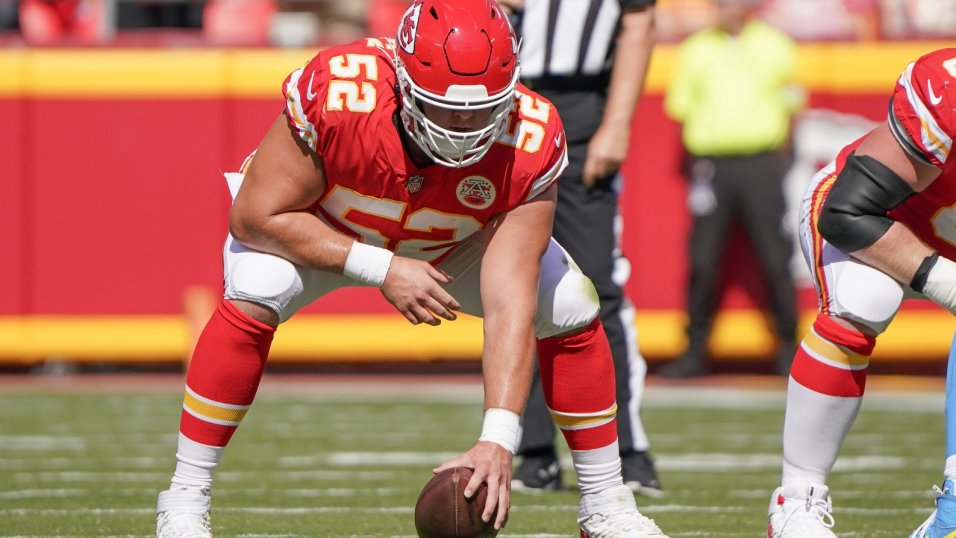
828,67
147,73
917,335
210,73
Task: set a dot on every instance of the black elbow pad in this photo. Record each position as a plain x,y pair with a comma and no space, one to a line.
854,214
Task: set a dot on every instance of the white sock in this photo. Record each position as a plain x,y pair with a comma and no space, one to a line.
949,472
195,463
813,431
597,469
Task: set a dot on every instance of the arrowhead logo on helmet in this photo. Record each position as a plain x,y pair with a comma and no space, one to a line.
408,28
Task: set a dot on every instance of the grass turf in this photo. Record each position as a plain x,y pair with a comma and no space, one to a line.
308,464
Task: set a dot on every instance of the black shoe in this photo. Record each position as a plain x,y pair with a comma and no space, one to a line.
537,474
640,475
685,366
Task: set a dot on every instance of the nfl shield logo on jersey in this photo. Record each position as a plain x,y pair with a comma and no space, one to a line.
414,184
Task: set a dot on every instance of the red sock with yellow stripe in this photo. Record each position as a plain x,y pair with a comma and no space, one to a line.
221,384
832,359
824,394
577,376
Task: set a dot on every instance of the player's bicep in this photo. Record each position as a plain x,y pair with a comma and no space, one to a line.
516,242
882,145
284,176
875,179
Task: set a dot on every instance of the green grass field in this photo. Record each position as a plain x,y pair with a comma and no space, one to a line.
333,459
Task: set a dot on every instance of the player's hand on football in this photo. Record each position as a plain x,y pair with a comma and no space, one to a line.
414,289
491,463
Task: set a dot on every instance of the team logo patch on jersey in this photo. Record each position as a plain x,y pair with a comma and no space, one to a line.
476,192
414,184
409,27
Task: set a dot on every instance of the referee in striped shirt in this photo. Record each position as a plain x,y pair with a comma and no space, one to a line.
589,58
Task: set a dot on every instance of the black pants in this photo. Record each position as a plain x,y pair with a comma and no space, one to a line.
586,224
748,190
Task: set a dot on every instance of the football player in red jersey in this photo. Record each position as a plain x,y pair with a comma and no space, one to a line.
877,226
419,166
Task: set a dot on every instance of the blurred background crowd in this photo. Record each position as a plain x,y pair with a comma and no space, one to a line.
324,22
203,76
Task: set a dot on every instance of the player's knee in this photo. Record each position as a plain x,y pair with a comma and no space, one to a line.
266,280
566,304
867,296
261,313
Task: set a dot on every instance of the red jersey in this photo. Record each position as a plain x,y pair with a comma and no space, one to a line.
923,119
343,104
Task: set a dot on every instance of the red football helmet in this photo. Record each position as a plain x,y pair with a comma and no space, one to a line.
458,55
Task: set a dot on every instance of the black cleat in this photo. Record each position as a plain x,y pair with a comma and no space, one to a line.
640,475
684,367
537,474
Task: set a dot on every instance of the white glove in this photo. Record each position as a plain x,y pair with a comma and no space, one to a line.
940,284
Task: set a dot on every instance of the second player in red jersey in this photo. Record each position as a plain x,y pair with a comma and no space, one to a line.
878,226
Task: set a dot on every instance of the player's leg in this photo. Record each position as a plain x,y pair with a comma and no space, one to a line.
639,470
764,208
588,225
942,522
577,375
712,208
827,380
539,468
261,291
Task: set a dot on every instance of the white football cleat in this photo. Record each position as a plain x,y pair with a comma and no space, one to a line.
796,513
612,513
183,512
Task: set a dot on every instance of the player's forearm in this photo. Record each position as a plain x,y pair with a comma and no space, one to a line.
507,359
631,60
897,253
296,236
510,271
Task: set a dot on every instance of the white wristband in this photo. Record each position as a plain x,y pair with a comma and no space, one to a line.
501,427
940,284
367,264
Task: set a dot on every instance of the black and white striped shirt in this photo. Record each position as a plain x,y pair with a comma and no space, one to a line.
570,38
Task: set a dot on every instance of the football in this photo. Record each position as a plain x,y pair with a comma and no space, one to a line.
442,511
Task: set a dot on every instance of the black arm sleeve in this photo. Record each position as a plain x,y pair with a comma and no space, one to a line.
854,214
